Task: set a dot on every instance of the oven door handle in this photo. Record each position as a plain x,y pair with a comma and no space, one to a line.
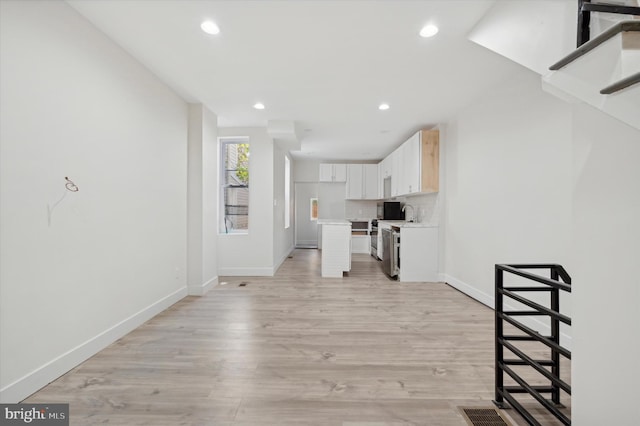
396,253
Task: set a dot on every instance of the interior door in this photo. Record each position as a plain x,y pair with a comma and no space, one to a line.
306,228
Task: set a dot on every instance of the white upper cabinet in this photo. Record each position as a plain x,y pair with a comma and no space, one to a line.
354,181
414,166
333,173
385,168
340,172
411,165
397,172
370,181
384,172
362,181
326,173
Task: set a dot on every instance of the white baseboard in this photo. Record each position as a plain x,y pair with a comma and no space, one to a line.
255,271
266,271
282,259
30,383
489,300
469,290
201,290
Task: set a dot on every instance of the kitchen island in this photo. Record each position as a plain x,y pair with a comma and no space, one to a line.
336,247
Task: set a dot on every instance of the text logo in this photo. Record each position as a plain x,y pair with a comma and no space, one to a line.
34,414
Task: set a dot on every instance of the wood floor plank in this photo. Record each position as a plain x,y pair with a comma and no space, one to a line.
294,349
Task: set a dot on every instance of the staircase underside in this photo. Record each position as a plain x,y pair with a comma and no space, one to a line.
604,72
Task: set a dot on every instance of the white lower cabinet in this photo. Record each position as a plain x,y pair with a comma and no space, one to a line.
418,254
381,226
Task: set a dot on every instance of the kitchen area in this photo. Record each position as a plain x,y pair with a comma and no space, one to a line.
389,210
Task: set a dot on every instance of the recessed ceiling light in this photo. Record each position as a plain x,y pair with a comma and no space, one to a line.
258,105
210,27
428,31
383,107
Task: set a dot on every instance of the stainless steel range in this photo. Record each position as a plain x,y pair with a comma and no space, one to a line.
374,238
391,251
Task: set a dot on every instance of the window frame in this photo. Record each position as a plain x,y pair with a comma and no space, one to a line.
223,142
287,192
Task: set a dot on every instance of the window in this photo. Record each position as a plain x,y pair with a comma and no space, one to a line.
287,192
234,193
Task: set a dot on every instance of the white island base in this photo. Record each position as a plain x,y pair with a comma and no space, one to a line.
336,247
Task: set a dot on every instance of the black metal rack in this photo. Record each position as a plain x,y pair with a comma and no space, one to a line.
548,368
586,7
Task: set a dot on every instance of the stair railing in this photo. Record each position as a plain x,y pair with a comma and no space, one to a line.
553,286
585,8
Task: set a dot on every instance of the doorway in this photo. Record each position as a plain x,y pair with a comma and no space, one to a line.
306,214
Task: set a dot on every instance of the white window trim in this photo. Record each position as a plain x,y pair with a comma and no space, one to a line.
221,225
287,192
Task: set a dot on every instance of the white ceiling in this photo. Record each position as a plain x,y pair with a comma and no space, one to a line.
327,64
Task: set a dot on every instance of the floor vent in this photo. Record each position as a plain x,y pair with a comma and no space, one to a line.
483,417
243,284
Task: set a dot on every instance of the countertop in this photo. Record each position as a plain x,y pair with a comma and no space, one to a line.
398,223
405,224
334,222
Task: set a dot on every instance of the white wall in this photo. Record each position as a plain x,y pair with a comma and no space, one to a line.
306,170
283,242
508,185
331,196
210,173
604,210
114,254
606,250
202,203
252,253
533,179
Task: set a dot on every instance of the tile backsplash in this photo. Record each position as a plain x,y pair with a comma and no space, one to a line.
365,209
426,208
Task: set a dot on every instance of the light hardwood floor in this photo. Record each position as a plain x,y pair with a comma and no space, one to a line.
294,349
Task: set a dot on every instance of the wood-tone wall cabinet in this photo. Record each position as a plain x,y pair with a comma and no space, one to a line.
415,165
362,181
430,156
333,173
